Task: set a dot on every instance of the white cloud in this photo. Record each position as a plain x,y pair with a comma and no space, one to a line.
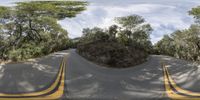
163,18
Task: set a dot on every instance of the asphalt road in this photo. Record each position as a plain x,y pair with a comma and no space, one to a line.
86,80
30,76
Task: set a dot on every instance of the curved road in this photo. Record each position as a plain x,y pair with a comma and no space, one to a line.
86,80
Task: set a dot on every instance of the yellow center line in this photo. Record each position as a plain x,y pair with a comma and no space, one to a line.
180,90
57,94
170,92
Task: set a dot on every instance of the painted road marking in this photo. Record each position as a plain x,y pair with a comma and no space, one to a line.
180,90
170,93
55,91
175,92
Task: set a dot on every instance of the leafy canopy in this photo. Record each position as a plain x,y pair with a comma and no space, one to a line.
184,44
35,24
131,31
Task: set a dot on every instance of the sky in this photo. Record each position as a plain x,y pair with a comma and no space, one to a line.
165,16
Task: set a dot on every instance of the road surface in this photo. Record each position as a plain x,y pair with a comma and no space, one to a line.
82,79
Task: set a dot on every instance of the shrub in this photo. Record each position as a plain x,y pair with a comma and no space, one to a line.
112,54
26,51
118,46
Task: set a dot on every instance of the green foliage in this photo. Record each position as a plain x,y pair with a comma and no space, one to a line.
119,46
95,34
184,44
55,9
30,29
27,50
195,12
15,55
165,46
4,12
130,22
135,32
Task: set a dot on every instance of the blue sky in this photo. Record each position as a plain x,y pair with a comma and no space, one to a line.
165,16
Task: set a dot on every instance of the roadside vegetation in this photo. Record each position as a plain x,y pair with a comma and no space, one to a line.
30,29
127,43
183,44
122,45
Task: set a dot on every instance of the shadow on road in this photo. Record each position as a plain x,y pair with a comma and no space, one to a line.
86,80
185,73
30,76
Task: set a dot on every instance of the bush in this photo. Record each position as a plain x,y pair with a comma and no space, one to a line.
118,46
112,54
26,51
15,55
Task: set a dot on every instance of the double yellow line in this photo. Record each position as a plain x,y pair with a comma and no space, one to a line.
55,91
174,91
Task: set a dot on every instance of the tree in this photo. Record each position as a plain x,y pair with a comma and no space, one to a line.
130,22
35,23
94,35
113,31
184,44
195,13
195,35
123,45
135,32
165,46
